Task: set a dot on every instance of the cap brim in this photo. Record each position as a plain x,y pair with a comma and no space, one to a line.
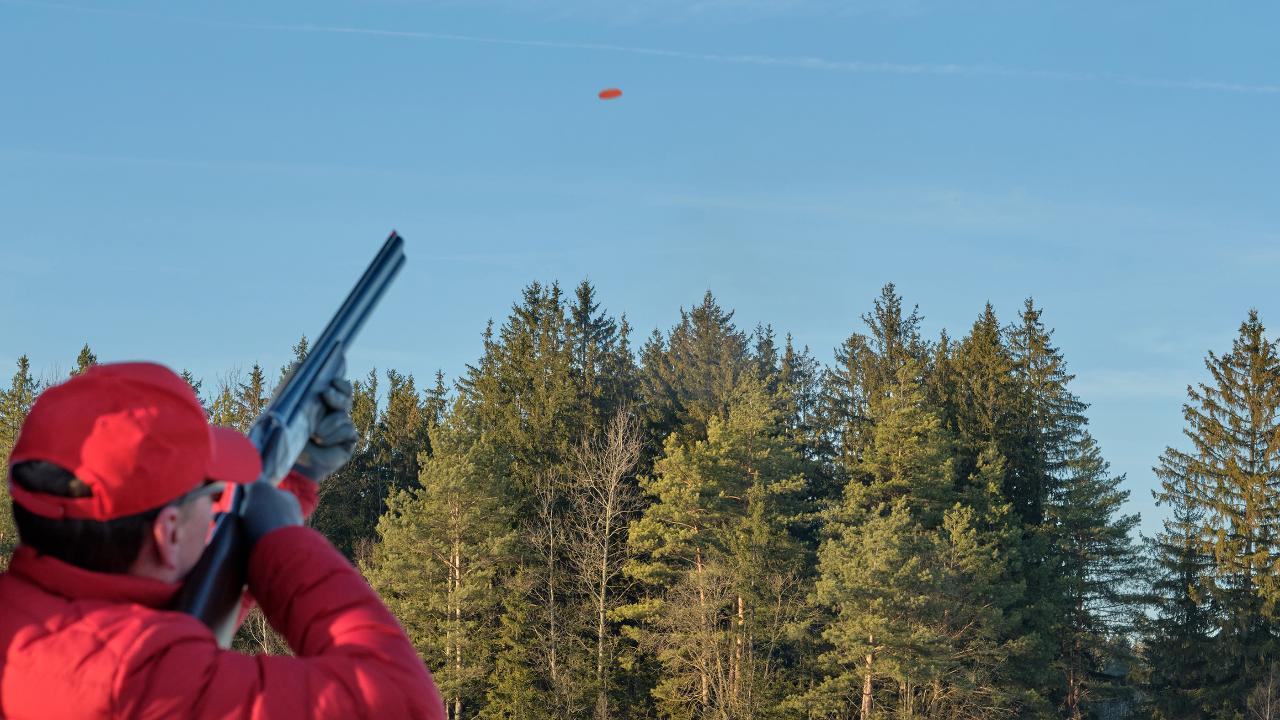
234,459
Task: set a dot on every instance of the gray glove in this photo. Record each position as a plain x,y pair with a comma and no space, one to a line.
266,507
333,435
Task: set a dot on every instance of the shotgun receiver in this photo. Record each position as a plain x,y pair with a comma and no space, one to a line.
213,589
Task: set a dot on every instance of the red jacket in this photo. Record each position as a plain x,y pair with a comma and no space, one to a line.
80,644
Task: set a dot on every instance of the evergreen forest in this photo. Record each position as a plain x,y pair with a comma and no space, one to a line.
714,523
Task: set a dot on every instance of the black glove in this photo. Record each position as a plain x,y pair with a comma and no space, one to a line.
265,508
333,435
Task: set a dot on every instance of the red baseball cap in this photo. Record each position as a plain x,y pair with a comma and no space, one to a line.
136,434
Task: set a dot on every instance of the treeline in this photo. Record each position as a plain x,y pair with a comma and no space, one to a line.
720,525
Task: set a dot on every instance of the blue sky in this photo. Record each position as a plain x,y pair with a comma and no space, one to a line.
199,184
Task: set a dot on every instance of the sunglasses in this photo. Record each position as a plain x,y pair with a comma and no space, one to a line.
213,489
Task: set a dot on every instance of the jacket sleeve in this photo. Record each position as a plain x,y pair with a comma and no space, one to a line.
306,491
352,658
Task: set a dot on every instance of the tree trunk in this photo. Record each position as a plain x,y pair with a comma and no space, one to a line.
602,692
866,682
736,683
702,604
456,580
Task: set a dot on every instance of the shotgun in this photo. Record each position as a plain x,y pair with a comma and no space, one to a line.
213,589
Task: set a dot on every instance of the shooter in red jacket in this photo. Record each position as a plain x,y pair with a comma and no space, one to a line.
113,480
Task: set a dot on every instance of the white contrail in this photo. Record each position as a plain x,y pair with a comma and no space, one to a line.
809,63
802,63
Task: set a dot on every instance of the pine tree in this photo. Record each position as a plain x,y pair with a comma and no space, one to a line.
300,350
866,367
514,692
689,377
439,553
538,389
251,398
1232,476
224,407
724,568
85,360
1177,639
15,403
874,570
916,573
1095,566
195,387
1048,425
602,365
985,399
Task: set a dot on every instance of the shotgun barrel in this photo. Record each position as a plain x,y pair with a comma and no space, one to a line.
213,588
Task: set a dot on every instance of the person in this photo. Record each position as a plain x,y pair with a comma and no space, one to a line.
113,478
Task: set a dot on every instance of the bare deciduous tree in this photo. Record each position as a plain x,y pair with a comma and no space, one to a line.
1264,701
602,497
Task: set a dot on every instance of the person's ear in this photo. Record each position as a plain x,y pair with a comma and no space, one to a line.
166,535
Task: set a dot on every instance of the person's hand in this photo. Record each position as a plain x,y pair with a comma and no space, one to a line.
333,435
265,508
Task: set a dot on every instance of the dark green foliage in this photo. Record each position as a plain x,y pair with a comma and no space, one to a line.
438,564
393,441
1220,549
919,529
689,376
1177,637
514,692
916,573
1095,571
983,393
866,365
15,402
723,569
195,385
85,360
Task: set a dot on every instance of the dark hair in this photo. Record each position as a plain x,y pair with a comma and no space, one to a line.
109,546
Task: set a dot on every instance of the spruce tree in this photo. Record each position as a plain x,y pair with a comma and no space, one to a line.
386,460
602,366
724,569
796,390
1178,646
438,557
689,377
1050,419
514,692
984,399
1231,473
224,407
867,366
251,398
1048,425
85,360
195,385
538,389
1096,568
916,571
15,403
300,350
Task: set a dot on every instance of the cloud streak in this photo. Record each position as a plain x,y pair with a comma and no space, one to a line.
792,62
805,63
